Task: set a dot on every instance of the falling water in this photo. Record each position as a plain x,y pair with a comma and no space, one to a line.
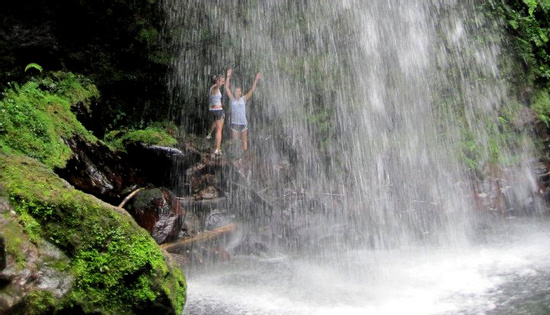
369,122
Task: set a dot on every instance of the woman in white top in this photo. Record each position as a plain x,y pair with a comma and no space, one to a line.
239,125
216,111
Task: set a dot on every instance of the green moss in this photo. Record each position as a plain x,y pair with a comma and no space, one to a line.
31,226
118,139
118,268
14,238
37,302
36,118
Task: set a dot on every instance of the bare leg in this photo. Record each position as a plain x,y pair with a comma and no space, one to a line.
235,135
212,127
219,128
244,135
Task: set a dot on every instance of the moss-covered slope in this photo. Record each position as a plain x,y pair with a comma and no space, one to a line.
114,266
117,266
36,118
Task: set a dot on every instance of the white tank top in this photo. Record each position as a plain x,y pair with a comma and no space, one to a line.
215,99
238,111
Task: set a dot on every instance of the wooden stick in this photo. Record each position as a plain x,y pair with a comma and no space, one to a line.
130,196
177,246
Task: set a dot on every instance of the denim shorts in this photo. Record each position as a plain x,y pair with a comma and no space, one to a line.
239,128
218,114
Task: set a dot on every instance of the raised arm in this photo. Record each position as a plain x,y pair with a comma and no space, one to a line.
227,88
249,94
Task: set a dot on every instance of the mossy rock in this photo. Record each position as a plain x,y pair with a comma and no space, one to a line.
36,118
116,265
120,139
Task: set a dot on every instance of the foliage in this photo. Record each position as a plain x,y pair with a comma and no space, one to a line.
154,135
489,128
528,21
33,65
118,268
118,44
36,118
37,302
528,24
541,106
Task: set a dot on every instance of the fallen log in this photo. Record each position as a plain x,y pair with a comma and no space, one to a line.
178,246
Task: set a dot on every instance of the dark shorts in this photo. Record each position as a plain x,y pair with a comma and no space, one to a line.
218,114
239,128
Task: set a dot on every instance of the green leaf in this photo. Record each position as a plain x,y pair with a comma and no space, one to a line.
33,66
532,4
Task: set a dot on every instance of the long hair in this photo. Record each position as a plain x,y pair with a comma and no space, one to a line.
215,78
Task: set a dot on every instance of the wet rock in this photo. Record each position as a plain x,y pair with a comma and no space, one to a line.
34,268
202,184
195,170
2,253
202,205
196,212
217,219
252,244
209,192
496,194
96,170
158,211
162,166
191,226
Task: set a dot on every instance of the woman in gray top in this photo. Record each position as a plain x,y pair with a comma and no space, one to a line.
239,125
216,111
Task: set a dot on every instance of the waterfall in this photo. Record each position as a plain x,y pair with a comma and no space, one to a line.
390,145
372,117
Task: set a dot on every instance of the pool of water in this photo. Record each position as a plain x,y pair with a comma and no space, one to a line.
506,273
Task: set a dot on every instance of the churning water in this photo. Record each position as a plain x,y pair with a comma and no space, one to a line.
371,122
509,275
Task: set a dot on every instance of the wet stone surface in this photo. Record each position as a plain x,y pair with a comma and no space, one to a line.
158,211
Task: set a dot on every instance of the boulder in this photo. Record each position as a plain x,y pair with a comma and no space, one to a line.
33,268
161,165
159,212
97,170
70,253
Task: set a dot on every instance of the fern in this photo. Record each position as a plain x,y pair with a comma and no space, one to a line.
33,65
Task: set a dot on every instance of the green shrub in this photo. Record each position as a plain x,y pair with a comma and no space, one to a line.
528,24
541,106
